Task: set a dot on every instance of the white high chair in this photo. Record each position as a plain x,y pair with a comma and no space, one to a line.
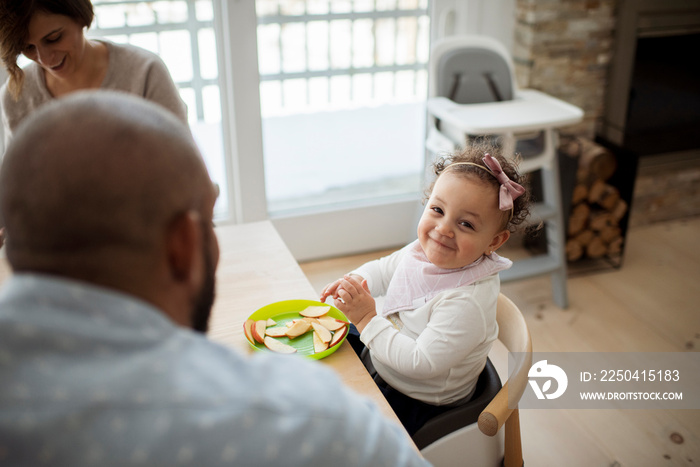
458,437
473,93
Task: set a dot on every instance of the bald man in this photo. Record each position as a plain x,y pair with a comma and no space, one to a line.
108,212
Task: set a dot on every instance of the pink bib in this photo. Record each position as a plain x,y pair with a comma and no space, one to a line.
417,280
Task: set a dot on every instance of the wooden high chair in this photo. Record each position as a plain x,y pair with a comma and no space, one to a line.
480,441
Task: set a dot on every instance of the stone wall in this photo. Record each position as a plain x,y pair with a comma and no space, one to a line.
563,48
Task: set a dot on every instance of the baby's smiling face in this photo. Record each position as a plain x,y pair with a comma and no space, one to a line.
461,221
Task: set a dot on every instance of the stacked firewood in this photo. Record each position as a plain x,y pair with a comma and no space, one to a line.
594,230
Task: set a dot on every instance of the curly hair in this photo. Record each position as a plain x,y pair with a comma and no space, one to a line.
15,16
473,154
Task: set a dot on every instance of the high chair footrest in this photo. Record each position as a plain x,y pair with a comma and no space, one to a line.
542,212
530,267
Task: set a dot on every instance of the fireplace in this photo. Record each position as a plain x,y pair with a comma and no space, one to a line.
653,95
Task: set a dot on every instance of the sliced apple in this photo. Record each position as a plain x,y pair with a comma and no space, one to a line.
259,330
276,346
331,324
291,323
271,322
323,333
315,311
278,331
319,345
298,328
338,336
248,329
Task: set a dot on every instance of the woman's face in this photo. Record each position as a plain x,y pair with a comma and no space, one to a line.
56,43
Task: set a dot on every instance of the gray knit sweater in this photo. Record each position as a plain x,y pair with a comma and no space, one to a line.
131,69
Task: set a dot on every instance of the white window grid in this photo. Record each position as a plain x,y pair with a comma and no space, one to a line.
181,32
319,55
313,55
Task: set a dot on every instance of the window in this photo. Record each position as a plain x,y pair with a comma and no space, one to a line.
327,115
342,86
181,32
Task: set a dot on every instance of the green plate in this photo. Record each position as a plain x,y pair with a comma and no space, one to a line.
288,310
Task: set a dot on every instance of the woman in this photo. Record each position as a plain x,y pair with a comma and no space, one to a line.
51,34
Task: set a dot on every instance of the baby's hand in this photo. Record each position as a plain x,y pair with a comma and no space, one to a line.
354,299
331,290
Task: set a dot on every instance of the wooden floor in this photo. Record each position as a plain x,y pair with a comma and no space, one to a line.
650,304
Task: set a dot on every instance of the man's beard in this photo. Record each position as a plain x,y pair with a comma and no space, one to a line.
203,302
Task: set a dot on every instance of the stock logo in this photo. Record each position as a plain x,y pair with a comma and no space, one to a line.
546,372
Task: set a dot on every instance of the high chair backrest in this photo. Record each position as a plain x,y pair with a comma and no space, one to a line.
471,70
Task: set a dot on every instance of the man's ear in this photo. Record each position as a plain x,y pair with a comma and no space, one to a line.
499,239
183,245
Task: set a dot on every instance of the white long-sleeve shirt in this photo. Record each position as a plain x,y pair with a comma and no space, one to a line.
436,352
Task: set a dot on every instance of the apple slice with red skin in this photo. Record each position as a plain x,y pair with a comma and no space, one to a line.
259,330
338,336
276,346
298,328
319,345
332,324
323,333
248,330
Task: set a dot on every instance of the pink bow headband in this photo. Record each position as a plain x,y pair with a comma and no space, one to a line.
509,191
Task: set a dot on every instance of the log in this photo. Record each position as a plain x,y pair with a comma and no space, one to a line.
619,211
584,237
596,192
578,218
574,250
600,221
603,194
579,194
603,165
610,233
610,198
595,162
597,248
597,207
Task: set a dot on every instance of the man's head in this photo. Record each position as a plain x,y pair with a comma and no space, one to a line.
110,189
